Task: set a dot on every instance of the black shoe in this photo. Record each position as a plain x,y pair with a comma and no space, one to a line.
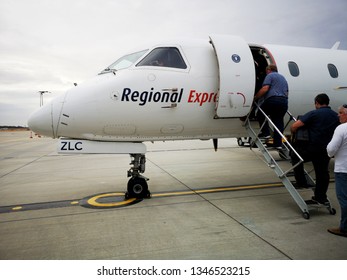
271,145
296,185
264,136
302,186
308,186
283,154
320,201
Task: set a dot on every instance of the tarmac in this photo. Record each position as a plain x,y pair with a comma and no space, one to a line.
205,205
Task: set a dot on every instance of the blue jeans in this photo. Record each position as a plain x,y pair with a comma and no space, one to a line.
341,193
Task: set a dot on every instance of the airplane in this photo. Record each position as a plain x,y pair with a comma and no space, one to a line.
183,89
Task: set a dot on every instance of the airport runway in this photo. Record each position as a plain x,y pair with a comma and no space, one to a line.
206,205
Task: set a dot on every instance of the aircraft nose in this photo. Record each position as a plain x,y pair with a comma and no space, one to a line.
41,121
44,121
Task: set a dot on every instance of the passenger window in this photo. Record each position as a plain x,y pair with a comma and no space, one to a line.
293,69
333,70
164,57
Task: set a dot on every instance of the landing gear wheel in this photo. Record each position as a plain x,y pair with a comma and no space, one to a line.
240,142
137,187
306,215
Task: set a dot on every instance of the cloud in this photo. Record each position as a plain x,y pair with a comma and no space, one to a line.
49,45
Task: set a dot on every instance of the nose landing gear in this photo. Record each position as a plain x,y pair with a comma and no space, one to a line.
137,184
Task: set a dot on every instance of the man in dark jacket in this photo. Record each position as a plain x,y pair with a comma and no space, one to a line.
320,124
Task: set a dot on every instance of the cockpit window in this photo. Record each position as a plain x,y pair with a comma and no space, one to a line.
164,57
124,62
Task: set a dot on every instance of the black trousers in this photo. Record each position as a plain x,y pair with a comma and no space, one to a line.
320,161
275,108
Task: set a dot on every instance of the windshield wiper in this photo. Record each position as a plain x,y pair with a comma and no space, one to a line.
107,70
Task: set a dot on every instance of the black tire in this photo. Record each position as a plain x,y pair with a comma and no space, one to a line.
240,142
137,187
306,215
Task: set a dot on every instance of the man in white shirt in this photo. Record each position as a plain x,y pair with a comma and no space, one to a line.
338,148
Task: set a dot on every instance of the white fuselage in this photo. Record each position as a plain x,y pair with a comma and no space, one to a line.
153,102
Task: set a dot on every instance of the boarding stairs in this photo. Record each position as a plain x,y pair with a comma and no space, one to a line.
253,132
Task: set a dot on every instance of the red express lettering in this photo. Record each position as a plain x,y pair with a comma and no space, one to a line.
201,97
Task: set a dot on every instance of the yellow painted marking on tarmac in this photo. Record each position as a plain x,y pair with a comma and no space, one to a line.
216,190
93,201
173,193
238,188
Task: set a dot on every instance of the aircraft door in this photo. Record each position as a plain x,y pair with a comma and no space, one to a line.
236,76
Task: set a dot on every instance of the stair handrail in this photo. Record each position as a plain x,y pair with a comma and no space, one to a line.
289,146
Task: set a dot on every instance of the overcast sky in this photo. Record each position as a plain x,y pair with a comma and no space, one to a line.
49,45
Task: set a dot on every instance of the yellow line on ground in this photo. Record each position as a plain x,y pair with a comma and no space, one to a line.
216,190
93,201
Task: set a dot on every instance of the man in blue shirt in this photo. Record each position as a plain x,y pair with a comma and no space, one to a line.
273,97
321,124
